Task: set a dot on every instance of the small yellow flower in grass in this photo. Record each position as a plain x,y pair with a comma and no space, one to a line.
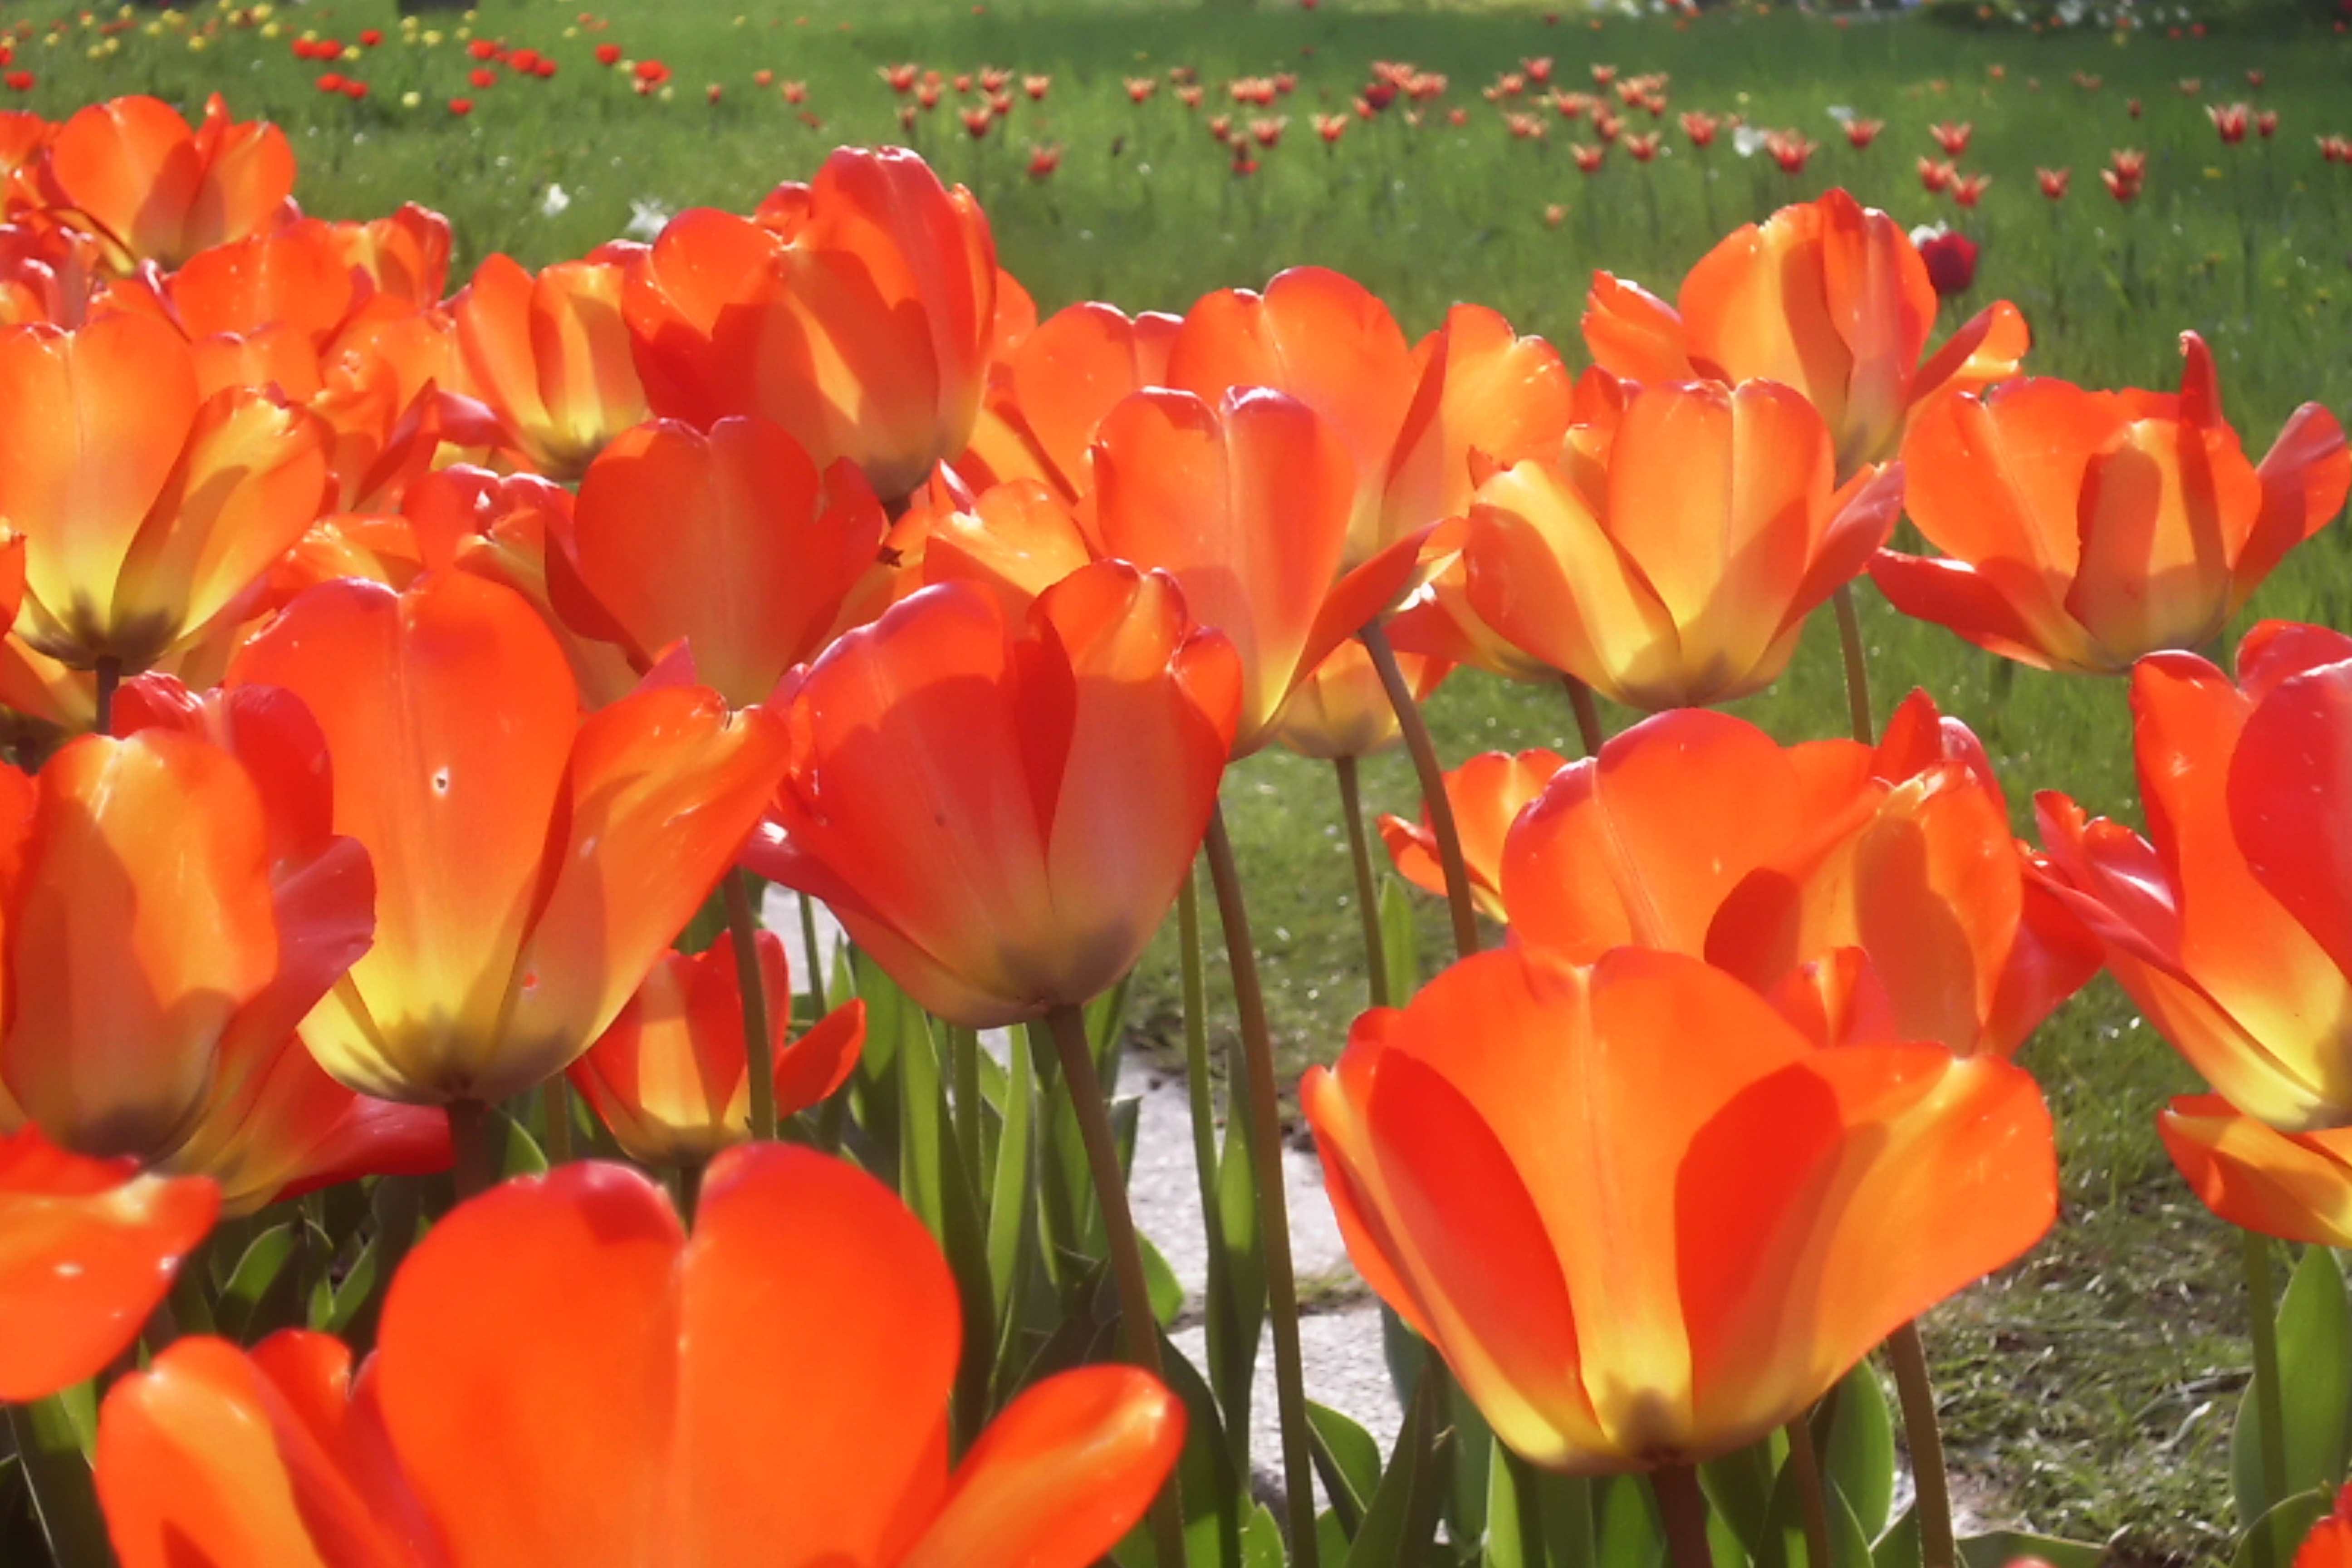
570,32
351,51
269,29
2211,172
411,99
465,32
262,13
432,37
198,42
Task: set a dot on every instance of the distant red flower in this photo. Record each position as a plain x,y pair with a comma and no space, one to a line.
1604,75
483,49
371,36
19,81
1700,127
2053,182
2132,107
1220,127
2230,122
901,78
461,107
713,94
329,83
1589,157
1538,71
1968,189
976,122
1861,133
355,89
1036,86
523,62
1952,138
1935,176
764,77
1139,88
1330,127
483,77
2254,80
1189,95
1000,104
1951,259
650,73
1044,161
2266,124
608,54
1641,148
1790,149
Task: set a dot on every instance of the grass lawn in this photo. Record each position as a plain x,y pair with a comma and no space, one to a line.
2090,1390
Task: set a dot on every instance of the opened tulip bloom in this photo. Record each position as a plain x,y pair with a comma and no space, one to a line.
530,865
776,1382
2228,924
1001,807
1828,297
146,508
1646,1220
1487,793
1668,556
734,542
2081,530
1696,832
135,173
87,1249
552,355
2293,1185
854,312
669,1078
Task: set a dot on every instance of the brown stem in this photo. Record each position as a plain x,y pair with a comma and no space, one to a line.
1683,1507
1359,850
1925,1440
1433,788
108,673
1588,713
1807,1464
473,1138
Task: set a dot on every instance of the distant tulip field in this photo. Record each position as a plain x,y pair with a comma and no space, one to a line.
653,654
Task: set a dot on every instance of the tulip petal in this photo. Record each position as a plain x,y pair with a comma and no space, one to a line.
1075,368
2297,1186
1487,793
2304,477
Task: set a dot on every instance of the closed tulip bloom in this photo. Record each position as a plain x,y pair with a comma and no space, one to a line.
1049,395
1484,398
147,509
1487,793
87,1249
2226,924
551,355
405,256
1341,710
1828,297
733,540
2293,1185
777,1382
1696,832
1246,502
530,865
1001,807
2329,1544
1645,1219
668,1079
2082,528
154,190
856,312
1669,558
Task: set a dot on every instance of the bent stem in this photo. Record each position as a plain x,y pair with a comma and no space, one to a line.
1925,1440
758,1064
2270,1417
1141,1330
109,674
1266,1159
474,1139
1683,1507
1432,787
1857,677
1807,1464
1359,849
1588,713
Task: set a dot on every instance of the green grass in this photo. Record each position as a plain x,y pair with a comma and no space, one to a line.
2090,1386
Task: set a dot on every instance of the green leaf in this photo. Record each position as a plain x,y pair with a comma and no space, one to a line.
53,1437
520,1153
1008,1198
1898,1545
1160,1279
2271,1544
1262,1541
1348,1460
1859,1456
1403,1498
1784,1545
2315,1344
264,1264
1241,1272
1216,1499
1400,941
1629,1530
1739,1490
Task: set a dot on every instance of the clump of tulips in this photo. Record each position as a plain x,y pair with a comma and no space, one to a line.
416,1151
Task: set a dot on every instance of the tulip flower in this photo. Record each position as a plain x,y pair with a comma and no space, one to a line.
87,1249
1052,391
1827,297
1247,502
2084,528
1646,1220
1001,808
1487,793
405,256
2329,1544
1696,832
733,540
1670,556
551,355
191,854
146,508
2293,1185
780,1377
856,312
1951,255
669,1079
1479,389
1341,710
530,866
2226,925
132,171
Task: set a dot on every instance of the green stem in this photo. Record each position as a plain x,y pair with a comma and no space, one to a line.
1199,1095
108,673
1434,799
815,953
1683,1508
1265,1157
758,1061
474,1137
1141,1330
963,1066
1806,1463
1588,713
1359,849
2261,1322
1526,1500
50,1445
556,1104
1857,676
1925,1438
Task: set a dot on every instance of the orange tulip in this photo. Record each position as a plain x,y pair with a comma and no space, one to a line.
2329,1544
530,865
781,1378
551,355
1002,809
733,540
191,855
1668,558
1828,297
856,312
668,1079
1646,1220
2087,529
1246,504
1484,399
87,1249
1694,832
1341,710
1487,794
1020,538
2293,1185
1049,395
2229,930
132,171
405,256
147,509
